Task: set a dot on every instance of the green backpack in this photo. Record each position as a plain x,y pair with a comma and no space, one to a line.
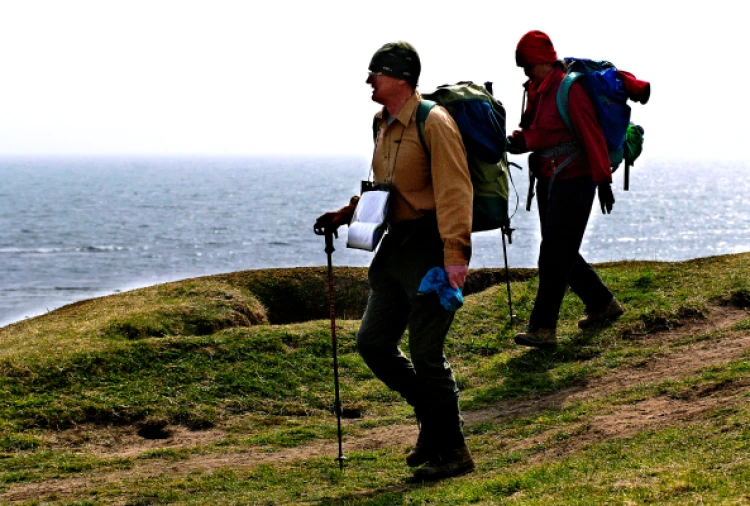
480,118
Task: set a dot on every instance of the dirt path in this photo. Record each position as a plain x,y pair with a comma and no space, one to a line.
623,421
683,362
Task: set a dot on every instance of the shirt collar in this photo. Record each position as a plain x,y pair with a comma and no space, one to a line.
407,111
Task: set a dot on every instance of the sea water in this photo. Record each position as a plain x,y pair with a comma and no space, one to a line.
76,228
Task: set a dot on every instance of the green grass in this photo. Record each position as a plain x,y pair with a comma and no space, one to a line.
243,363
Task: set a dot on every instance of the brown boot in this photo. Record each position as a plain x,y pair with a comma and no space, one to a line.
612,311
425,449
446,464
451,456
537,337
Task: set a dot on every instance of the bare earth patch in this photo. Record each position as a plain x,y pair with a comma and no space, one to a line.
623,421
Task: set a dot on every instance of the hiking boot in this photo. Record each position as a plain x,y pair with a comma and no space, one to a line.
422,452
610,313
446,464
425,448
537,337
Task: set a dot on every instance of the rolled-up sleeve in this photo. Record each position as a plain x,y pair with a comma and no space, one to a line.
452,185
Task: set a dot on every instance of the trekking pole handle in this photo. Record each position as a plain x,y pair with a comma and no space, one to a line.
530,194
508,232
626,180
329,240
329,233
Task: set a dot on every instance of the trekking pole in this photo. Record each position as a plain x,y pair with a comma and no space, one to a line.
530,194
626,180
329,233
506,230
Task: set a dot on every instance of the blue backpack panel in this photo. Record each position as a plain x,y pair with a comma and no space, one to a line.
608,94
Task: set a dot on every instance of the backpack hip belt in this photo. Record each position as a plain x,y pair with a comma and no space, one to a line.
566,148
571,149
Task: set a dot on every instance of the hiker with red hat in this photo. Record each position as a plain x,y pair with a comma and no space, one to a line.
570,168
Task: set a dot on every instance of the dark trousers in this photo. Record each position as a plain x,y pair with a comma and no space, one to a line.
564,213
405,255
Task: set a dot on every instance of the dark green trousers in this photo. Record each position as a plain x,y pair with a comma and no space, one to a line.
405,255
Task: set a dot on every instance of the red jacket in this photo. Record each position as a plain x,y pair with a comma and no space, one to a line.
542,128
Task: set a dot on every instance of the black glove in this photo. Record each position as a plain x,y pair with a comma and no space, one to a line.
330,221
606,199
516,143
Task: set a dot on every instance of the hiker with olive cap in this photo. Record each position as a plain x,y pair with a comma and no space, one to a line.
570,167
428,225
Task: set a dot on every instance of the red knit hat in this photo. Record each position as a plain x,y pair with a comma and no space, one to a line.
535,47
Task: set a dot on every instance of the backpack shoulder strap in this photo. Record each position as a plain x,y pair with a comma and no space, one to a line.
423,110
375,128
562,96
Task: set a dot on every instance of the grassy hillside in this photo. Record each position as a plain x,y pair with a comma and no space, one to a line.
219,390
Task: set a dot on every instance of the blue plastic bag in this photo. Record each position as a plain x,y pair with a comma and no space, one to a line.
436,280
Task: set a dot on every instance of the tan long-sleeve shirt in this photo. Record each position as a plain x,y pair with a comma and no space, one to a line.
440,183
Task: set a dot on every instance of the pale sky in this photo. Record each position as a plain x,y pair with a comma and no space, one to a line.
224,77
